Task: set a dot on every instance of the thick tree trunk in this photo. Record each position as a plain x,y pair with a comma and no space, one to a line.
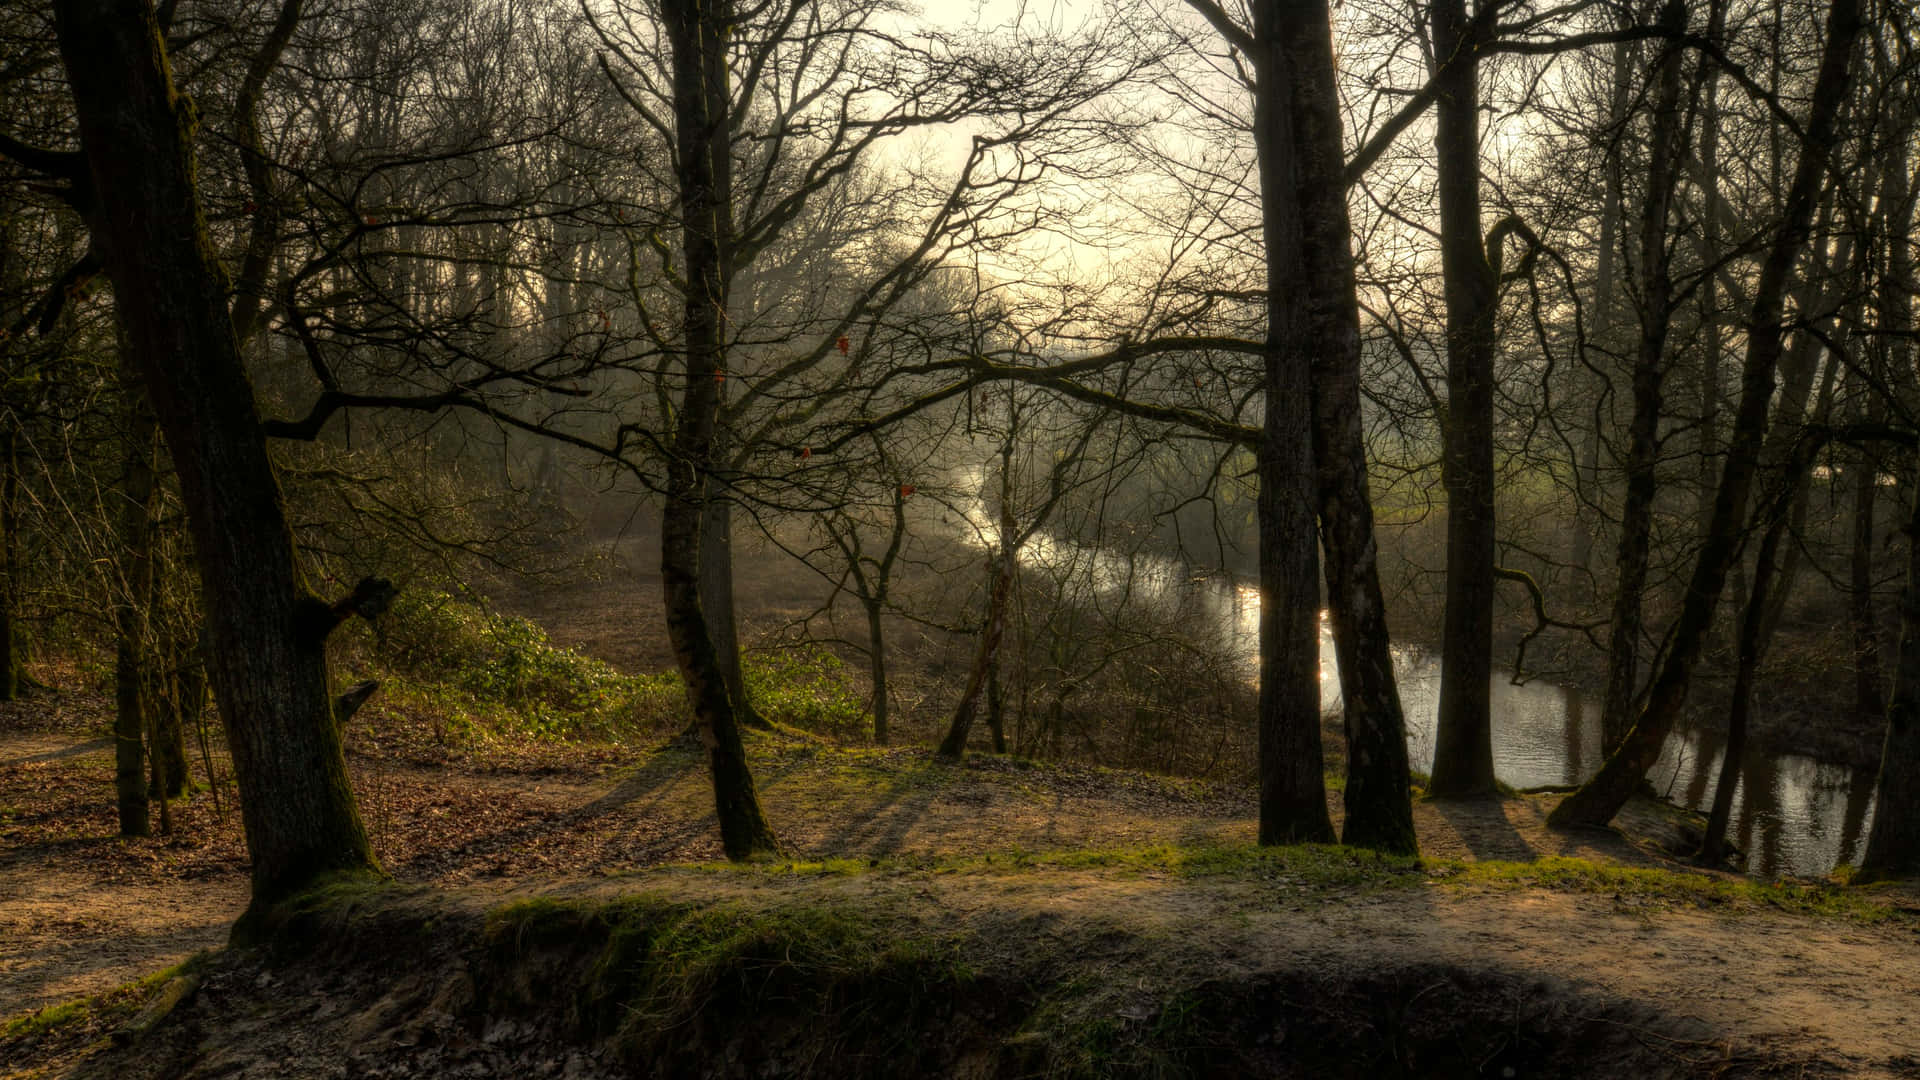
1463,740
1668,139
267,634
1293,794
696,35
1379,805
1893,845
1600,798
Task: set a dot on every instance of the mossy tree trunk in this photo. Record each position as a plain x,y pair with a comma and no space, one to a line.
1378,800
1463,732
266,632
1293,793
696,33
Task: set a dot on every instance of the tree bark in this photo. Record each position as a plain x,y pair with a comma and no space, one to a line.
1752,645
716,599
1463,740
1893,844
1668,141
1600,798
133,594
1605,290
877,667
1378,800
1293,798
267,634
10,644
1000,566
1893,300
697,38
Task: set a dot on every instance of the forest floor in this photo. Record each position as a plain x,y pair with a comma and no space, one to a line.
1766,971
1028,863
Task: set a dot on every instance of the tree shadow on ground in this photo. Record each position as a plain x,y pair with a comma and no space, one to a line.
1483,827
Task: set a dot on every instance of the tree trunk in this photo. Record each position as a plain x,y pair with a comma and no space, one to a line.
1293,794
716,599
1668,141
1712,340
1753,643
1379,805
10,650
877,665
267,634
133,598
953,746
1600,798
1463,740
166,717
996,709
696,35
1893,845
1892,357
1605,290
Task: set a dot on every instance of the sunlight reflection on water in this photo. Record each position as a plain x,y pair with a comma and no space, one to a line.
1809,816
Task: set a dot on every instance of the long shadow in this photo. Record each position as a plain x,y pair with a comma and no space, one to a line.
900,816
1482,825
76,750
664,765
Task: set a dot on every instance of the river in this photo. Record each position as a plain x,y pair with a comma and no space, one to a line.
1793,815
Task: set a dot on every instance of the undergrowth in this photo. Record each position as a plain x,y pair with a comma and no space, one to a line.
476,676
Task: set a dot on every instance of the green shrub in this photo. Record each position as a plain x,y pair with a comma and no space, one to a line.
476,669
807,689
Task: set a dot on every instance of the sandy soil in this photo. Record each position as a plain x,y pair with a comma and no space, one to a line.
81,913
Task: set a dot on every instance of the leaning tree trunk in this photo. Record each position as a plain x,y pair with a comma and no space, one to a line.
133,598
1602,797
1379,804
1293,798
1777,518
983,670
267,634
1668,141
1463,738
696,35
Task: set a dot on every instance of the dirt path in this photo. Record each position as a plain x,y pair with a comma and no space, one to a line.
1772,981
81,912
